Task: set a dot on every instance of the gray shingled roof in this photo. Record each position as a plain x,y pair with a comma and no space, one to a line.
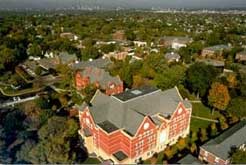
48,63
189,159
215,63
128,113
66,58
100,76
98,63
218,47
172,56
233,137
180,39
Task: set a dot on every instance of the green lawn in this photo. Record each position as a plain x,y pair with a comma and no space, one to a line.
91,161
198,109
197,123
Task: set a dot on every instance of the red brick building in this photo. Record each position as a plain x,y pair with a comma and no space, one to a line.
100,78
133,125
217,151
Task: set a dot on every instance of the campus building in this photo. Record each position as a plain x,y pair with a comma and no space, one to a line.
133,125
100,78
217,151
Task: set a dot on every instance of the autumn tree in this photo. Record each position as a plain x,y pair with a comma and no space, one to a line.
181,143
219,96
193,148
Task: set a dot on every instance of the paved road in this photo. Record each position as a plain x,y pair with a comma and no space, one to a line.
11,103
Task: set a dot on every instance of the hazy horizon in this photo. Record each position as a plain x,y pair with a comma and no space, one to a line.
50,4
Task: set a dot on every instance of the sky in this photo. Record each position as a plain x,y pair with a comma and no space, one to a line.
123,3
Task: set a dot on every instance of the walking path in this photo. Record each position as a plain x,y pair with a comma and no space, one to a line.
11,103
206,119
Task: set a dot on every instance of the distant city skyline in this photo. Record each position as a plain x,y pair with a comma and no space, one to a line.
51,4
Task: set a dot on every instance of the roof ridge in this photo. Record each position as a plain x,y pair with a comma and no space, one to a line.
137,111
122,101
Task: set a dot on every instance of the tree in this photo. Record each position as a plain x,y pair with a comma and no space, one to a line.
237,107
153,159
202,135
232,80
193,148
55,144
170,77
35,50
23,153
213,129
219,96
239,157
242,85
130,35
199,77
182,143
7,58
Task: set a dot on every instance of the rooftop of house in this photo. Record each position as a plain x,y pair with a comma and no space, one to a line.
241,56
181,39
127,110
222,145
30,64
189,159
215,63
242,53
172,56
217,47
48,63
98,63
67,58
100,76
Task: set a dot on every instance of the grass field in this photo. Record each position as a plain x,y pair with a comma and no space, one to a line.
198,109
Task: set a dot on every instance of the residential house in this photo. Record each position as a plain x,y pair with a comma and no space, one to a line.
213,62
60,58
217,151
117,55
175,42
140,43
214,51
172,57
119,35
100,78
241,56
131,126
70,36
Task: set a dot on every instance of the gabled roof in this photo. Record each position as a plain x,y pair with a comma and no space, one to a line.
179,39
217,47
67,58
98,63
189,159
215,63
100,76
233,137
172,56
127,110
